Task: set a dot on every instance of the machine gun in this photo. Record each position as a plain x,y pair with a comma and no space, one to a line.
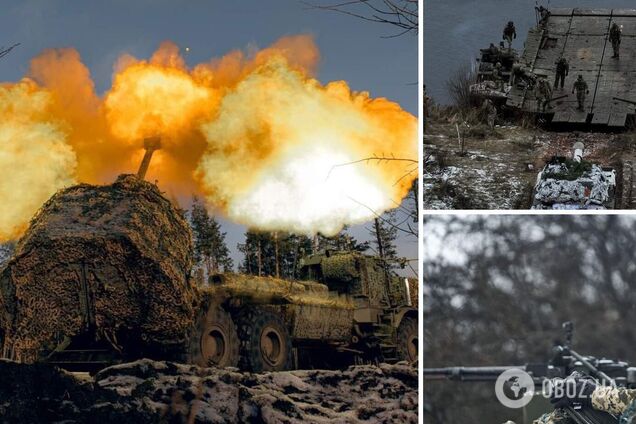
564,362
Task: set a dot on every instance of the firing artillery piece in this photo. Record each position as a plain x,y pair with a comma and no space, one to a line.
104,275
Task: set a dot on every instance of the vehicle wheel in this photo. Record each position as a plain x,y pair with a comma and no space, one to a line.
265,342
214,342
407,339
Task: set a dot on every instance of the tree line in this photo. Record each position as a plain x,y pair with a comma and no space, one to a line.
278,254
497,289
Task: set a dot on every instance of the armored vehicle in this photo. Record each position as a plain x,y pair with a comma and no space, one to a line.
104,274
346,304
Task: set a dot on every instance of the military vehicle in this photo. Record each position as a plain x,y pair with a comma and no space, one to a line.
104,275
574,183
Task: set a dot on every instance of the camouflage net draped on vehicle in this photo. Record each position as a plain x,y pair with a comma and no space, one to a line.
275,291
114,257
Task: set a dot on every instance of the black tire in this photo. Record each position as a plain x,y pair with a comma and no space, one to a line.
407,340
265,341
214,342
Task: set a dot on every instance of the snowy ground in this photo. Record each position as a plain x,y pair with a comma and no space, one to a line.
147,391
499,167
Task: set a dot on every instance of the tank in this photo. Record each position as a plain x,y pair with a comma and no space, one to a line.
104,275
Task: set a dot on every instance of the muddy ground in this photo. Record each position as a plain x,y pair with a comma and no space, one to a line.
498,166
148,391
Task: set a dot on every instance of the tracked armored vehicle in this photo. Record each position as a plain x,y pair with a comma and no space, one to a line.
104,275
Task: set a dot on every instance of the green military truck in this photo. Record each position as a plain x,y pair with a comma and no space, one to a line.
346,305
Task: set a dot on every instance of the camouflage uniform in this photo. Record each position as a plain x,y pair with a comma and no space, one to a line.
615,38
562,69
543,94
509,33
497,76
489,112
581,90
544,15
615,400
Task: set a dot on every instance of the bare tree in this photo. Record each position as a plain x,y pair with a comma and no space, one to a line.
402,14
6,50
458,85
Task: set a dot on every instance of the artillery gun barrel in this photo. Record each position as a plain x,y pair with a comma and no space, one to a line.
150,144
468,373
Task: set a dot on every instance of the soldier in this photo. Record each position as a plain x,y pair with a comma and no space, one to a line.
489,111
509,33
615,38
497,76
581,90
543,94
544,14
615,400
562,70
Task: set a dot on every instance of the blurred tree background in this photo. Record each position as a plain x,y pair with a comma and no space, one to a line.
497,289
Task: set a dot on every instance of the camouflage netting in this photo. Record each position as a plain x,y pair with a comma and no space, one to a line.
125,243
274,290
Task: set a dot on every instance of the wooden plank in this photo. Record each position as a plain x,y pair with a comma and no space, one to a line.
617,120
582,11
578,117
624,12
561,116
560,11
600,118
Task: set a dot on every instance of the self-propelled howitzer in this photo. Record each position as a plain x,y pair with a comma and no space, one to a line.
105,274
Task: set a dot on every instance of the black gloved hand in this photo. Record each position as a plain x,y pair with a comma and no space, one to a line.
572,391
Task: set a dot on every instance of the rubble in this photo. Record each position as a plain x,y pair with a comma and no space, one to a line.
150,391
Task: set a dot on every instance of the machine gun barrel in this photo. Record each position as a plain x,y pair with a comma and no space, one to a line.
468,373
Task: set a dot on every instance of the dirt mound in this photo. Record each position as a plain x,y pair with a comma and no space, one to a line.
108,257
150,391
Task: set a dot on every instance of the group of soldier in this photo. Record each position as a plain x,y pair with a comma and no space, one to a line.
542,88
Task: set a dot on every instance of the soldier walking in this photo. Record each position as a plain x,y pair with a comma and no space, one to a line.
615,38
509,33
562,70
543,94
544,15
581,90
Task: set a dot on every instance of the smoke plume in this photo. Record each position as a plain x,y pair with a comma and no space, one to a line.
255,133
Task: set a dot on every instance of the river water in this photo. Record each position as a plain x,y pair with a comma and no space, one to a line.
455,30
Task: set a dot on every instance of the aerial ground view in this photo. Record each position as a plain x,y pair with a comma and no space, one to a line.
516,306
209,212
529,105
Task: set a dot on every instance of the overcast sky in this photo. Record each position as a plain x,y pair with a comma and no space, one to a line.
350,49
